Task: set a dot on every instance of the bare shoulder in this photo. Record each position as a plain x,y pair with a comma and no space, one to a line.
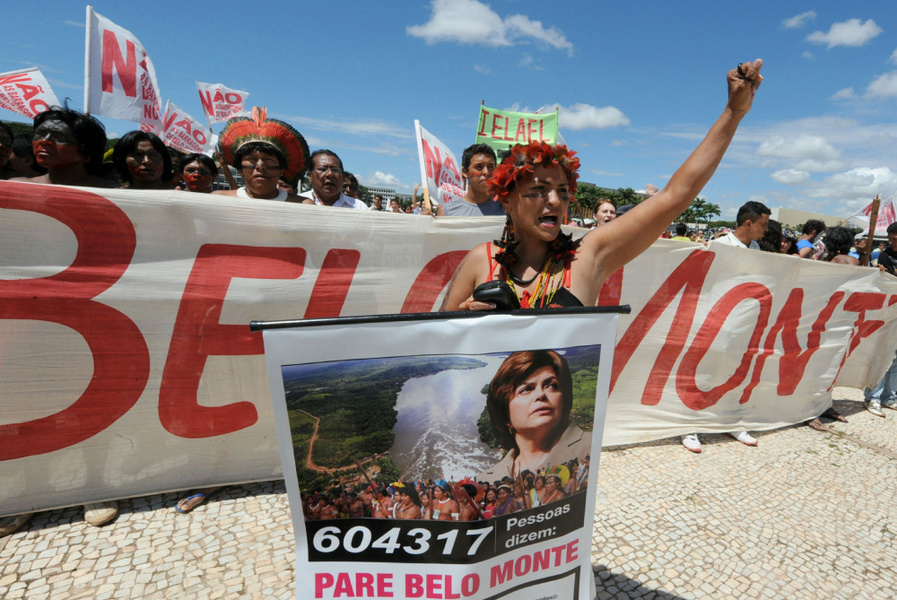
478,261
473,270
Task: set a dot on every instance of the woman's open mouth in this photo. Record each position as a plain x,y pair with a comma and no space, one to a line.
549,220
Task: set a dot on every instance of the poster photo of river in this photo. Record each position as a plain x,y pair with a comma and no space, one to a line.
409,418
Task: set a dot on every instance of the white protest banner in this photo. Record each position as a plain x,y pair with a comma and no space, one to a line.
127,366
392,411
221,103
438,167
887,214
26,92
119,77
183,132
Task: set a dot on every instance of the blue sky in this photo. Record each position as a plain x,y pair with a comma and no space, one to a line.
638,83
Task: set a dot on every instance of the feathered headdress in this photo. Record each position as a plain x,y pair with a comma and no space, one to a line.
562,473
259,128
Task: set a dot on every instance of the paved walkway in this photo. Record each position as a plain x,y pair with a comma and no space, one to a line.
804,515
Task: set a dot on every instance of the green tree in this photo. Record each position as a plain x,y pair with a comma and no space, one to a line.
700,211
365,195
587,196
625,196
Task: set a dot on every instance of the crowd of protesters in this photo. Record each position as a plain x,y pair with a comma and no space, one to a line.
68,148
443,500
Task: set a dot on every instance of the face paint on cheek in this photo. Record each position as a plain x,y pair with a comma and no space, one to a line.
53,155
199,182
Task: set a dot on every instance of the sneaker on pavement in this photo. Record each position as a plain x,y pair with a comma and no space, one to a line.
745,438
892,404
100,513
692,442
874,406
10,525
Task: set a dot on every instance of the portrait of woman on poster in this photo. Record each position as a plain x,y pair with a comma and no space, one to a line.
529,403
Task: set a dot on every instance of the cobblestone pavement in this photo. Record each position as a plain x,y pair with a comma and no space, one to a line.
806,514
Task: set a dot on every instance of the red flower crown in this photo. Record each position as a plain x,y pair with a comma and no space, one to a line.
520,164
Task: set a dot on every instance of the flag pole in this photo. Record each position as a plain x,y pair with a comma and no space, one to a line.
87,36
870,237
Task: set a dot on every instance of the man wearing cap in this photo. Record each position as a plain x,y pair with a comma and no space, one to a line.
859,243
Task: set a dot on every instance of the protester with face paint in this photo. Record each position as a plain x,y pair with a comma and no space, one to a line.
70,146
199,172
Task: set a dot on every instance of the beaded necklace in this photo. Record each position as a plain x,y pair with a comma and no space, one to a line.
543,294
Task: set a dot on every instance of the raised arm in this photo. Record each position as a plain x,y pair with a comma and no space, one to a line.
616,243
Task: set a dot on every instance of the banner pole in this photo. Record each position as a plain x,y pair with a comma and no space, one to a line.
227,174
423,168
87,35
870,237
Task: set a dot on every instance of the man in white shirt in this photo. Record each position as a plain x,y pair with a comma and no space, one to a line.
751,223
326,176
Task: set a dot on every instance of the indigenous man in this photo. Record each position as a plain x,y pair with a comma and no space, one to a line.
326,177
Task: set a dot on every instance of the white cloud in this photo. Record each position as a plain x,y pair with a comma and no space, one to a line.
606,173
43,68
58,83
845,94
383,180
384,148
801,147
80,24
855,159
529,63
858,183
893,58
884,86
848,33
585,116
368,127
522,26
798,21
482,69
472,22
791,176
808,55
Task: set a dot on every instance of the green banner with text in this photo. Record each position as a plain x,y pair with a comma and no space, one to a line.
502,129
